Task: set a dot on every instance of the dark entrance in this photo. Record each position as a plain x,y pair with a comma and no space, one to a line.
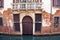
16,18
27,24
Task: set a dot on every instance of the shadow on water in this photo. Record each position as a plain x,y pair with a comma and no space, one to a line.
29,37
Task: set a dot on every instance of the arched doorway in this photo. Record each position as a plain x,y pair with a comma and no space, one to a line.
27,25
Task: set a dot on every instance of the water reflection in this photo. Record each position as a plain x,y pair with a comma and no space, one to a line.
4,37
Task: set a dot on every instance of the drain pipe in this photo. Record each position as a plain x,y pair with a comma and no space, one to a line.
51,18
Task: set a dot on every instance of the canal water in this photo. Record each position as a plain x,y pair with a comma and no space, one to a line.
27,37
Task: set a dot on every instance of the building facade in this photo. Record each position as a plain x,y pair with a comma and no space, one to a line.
36,17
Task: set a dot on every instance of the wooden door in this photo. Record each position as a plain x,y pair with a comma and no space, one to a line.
27,24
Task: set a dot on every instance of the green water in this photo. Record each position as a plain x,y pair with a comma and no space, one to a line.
5,37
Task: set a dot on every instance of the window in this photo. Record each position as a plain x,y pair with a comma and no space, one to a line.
16,18
38,27
20,0
23,0
38,0
16,1
22,6
56,3
13,1
56,21
1,23
1,3
38,17
30,0
38,6
15,7
30,6
17,27
38,22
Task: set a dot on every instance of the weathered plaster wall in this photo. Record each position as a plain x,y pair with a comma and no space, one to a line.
47,27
